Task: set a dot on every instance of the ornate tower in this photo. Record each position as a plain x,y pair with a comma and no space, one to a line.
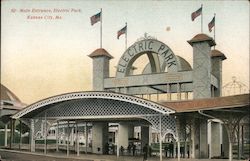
201,44
100,68
217,58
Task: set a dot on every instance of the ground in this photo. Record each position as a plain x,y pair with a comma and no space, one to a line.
11,155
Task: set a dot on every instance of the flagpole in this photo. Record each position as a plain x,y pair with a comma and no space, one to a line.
201,19
101,30
126,37
214,29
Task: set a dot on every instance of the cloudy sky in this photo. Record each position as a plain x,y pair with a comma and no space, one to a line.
47,55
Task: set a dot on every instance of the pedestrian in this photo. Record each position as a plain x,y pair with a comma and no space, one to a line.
145,152
122,150
171,148
129,148
150,151
166,150
133,148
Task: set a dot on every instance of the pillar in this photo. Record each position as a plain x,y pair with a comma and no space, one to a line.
99,137
225,142
215,149
150,135
201,44
6,135
192,139
32,134
195,137
160,139
144,135
125,131
20,134
168,92
101,60
64,136
77,141
203,139
72,136
68,134
45,133
57,136
178,85
86,138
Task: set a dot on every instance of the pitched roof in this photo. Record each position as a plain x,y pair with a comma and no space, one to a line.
202,37
208,104
217,53
100,52
7,95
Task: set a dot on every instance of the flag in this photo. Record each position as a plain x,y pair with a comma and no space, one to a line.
196,13
211,24
95,18
122,31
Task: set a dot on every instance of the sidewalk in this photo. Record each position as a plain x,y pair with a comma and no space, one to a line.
11,155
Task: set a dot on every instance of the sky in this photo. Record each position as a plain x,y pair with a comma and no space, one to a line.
44,57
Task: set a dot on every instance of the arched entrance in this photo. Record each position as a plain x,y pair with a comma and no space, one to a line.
72,110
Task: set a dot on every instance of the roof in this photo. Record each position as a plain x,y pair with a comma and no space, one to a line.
100,52
7,95
200,38
210,103
217,53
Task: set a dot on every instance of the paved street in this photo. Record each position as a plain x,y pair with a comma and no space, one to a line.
11,155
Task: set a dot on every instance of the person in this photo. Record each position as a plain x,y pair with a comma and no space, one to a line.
133,148
150,151
171,148
122,150
166,150
129,148
113,148
107,148
145,152
182,151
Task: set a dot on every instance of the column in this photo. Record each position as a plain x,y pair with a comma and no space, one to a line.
45,133
168,92
64,136
20,134
225,142
144,135
11,132
195,137
99,137
57,136
32,134
186,95
178,149
160,125
215,139
6,135
68,132
72,136
203,139
239,142
124,133
86,138
178,91
175,152
77,141
150,135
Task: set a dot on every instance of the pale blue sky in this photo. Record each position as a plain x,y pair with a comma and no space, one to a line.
42,58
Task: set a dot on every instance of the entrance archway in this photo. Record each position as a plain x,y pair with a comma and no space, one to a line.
95,107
